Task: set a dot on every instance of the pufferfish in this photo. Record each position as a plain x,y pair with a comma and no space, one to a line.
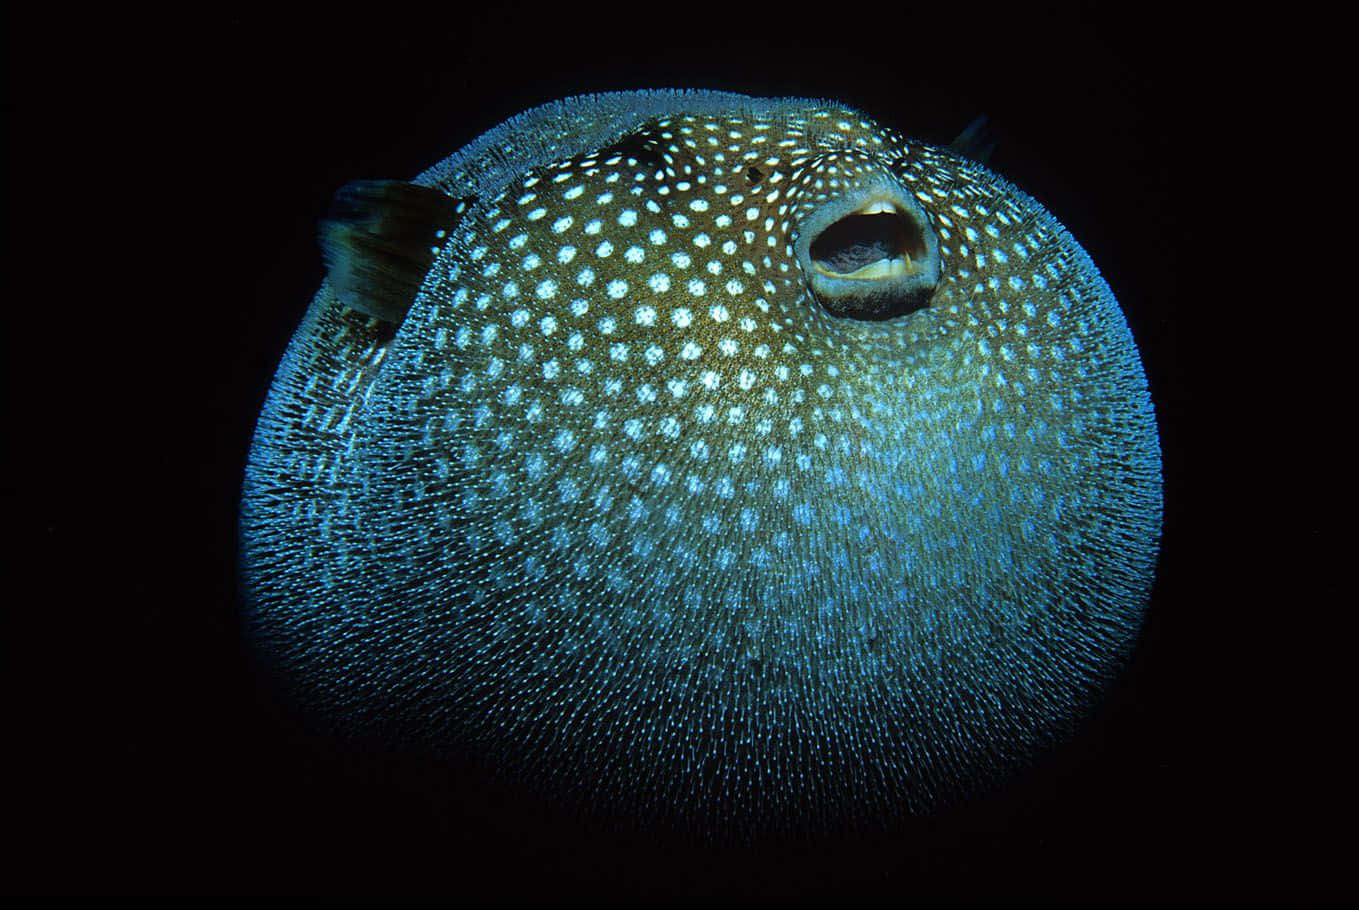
730,461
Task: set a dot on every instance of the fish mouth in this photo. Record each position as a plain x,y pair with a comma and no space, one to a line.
872,254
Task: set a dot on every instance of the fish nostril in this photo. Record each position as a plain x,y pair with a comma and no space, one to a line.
857,241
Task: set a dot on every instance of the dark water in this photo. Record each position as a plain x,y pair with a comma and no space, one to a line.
180,169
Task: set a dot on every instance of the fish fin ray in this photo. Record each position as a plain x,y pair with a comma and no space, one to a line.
382,239
977,141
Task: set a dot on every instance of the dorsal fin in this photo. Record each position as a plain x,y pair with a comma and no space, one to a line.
977,140
381,241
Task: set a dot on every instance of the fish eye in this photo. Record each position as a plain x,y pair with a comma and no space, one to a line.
871,254
754,175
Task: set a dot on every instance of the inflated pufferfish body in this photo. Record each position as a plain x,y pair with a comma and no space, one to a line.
732,459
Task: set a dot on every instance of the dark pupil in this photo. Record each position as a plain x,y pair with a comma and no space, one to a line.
754,175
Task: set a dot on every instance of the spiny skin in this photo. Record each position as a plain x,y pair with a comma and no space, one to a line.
621,503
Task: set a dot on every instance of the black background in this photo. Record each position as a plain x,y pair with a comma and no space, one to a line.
164,182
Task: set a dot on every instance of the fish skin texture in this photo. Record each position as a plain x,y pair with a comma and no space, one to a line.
625,507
